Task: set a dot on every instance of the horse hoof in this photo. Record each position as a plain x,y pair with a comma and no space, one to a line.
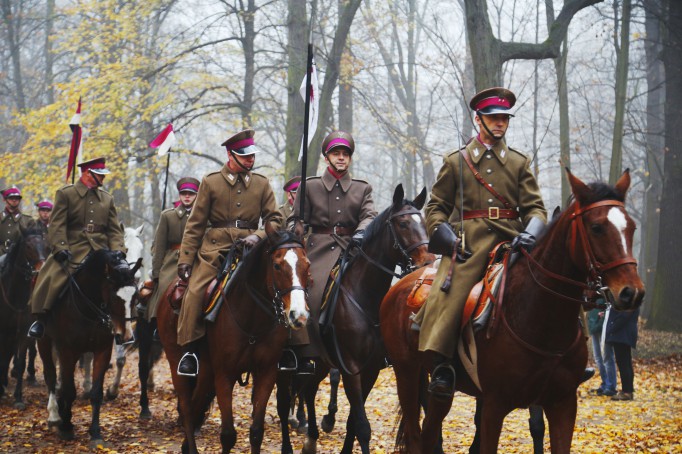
145,414
54,423
328,424
293,422
111,395
66,435
302,429
19,406
309,447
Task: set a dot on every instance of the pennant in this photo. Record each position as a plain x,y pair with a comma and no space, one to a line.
164,141
314,105
76,141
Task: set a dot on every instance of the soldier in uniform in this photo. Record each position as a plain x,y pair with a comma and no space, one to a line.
231,202
290,188
84,220
337,209
44,213
511,209
167,241
12,220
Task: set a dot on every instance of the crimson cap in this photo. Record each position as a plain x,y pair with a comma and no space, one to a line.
12,191
242,143
97,165
491,101
45,204
337,139
292,185
188,184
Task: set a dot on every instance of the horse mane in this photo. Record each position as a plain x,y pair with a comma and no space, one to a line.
374,228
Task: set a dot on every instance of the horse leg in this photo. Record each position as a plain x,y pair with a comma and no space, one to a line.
310,392
112,390
492,417
283,406
437,410
475,447
50,376
144,338
224,387
100,364
407,377
561,419
31,368
329,420
262,388
536,423
85,363
67,393
300,419
20,366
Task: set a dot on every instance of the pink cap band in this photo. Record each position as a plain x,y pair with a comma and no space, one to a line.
45,205
493,101
338,141
241,144
293,186
12,192
189,187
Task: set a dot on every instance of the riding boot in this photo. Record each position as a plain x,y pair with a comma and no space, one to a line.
288,362
189,363
589,373
442,384
37,329
306,366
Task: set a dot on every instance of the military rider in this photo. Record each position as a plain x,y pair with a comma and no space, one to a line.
83,220
44,213
511,208
290,188
232,202
12,220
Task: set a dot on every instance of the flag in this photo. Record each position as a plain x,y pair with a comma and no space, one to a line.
76,141
314,105
164,141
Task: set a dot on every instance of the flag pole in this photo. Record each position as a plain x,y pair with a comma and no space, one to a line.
165,185
308,83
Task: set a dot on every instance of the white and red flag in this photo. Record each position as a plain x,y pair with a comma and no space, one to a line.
314,105
164,141
76,141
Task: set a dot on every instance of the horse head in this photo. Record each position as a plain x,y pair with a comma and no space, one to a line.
121,289
290,275
600,240
28,254
133,242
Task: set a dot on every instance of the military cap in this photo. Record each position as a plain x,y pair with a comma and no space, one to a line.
12,191
337,139
496,100
292,184
242,143
45,205
97,165
188,184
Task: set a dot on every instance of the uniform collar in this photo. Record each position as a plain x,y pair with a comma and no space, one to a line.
181,211
82,189
232,178
476,151
6,214
330,180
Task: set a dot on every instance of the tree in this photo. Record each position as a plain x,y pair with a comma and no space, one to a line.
622,60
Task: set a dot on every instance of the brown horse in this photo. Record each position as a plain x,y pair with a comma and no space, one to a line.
17,276
537,353
397,236
93,310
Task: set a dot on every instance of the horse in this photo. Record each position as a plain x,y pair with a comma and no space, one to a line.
17,276
397,236
93,310
534,353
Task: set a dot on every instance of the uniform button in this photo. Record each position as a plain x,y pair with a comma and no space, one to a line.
337,197
489,156
337,184
338,211
491,185
213,241
239,204
490,230
490,200
489,171
239,191
91,202
91,221
92,211
333,247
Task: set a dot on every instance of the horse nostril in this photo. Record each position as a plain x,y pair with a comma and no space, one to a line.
626,296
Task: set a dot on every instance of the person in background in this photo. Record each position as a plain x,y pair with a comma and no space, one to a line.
621,335
290,188
44,213
12,220
603,358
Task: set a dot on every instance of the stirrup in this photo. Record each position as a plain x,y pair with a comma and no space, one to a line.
283,366
196,361
438,388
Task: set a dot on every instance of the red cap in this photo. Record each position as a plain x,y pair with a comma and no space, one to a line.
12,191
45,205
97,165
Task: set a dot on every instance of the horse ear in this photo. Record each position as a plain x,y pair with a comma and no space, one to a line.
419,201
138,230
623,183
556,213
579,189
398,195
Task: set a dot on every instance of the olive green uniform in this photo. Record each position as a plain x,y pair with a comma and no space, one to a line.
166,251
83,220
508,171
10,228
238,199
330,202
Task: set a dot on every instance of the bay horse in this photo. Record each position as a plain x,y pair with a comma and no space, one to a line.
536,355
397,236
93,310
17,276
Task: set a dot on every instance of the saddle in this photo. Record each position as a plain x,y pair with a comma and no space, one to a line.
222,283
422,286
176,294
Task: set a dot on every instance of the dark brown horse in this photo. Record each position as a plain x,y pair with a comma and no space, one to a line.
93,310
536,355
397,236
17,276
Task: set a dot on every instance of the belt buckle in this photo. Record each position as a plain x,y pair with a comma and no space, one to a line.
90,228
493,213
334,230
236,223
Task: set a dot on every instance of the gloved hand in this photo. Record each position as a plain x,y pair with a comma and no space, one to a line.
251,240
184,271
63,255
119,255
527,239
358,238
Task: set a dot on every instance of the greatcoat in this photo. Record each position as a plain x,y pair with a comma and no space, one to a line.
224,197
508,171
329,202
167,240
10,225
83,220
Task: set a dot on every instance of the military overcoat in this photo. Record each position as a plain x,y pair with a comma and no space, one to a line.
329,202
83,220
10,225
509,173
224,198
167,240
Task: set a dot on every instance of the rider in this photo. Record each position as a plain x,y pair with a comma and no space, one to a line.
232,201
290,188
84,220
510,208
12,220
336,208
44,213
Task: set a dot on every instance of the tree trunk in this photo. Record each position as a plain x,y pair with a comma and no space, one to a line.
249,63
622,60
11,19
346,84
49,56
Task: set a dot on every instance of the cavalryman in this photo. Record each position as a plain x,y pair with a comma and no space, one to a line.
231,202
44,213
84,219
505,204
337,208
290,188
167,241
12,220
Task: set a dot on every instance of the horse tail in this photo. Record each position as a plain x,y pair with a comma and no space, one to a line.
400,431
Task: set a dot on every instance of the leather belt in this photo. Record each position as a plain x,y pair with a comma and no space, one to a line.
491,213
175,246
236,224
89,228
337,230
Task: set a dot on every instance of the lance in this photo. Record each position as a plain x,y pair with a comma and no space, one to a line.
308,85
165,185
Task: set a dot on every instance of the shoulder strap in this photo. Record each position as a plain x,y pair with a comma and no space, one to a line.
480,179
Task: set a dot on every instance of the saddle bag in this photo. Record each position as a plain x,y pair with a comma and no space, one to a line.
176,295
422,287
145,293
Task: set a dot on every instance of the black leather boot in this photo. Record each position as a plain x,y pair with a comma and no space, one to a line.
589,373
189,363
37,329
442,384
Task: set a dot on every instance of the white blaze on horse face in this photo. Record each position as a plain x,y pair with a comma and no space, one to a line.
617,218
126,294
417,218
297,307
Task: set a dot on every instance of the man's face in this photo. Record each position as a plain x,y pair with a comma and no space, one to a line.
13,203
340,159
246,161
44,215
291,196
187,198
496,123
89,179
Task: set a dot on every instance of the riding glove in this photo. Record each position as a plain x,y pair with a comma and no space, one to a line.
528,237
358,238
251,240
119,255
63,255
184,271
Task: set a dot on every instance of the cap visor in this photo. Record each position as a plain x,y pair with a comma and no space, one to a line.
100,171
246,151
493,110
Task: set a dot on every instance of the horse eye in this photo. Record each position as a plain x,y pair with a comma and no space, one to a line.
597,229
403,224
276,266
